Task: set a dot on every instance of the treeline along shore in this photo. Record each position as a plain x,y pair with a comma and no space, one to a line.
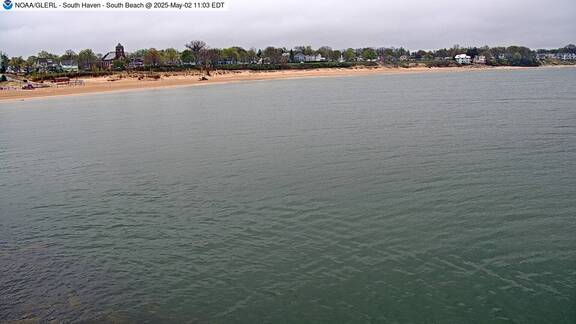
198,55
50,74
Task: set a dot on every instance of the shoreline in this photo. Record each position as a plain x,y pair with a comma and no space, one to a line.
99,85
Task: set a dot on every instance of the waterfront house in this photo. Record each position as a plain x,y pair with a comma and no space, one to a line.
567,56
44,65
69,66
462,59
556,56
479,59
301,58
136,62
12,70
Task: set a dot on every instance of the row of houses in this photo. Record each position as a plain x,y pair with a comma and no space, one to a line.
44,65
556,56
107,61
467,59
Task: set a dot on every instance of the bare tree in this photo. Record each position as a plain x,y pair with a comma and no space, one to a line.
208,57
195,47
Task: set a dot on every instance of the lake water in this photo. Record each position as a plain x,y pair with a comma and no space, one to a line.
416,198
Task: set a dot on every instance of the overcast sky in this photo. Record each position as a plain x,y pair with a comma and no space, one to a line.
415,24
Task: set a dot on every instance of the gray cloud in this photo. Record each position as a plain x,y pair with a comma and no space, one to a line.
258,23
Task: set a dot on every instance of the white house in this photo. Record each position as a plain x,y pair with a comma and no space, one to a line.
301,58
463,59
69,66
480,59
567,56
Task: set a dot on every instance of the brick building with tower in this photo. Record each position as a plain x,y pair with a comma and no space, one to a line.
107,60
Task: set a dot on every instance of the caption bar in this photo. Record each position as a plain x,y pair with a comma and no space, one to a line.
108,5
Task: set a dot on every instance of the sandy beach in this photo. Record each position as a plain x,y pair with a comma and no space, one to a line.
131,82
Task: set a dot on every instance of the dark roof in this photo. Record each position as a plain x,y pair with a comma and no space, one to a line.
68,62
45,61
110,56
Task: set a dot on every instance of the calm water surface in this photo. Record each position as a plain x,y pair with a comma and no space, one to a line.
422,198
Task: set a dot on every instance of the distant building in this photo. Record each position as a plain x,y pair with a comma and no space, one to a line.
69,66
44,65
404,58
480,59
135,63
463,59
556,56
301,58
108,59
12,70
567,56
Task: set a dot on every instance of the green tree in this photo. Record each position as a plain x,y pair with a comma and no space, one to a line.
516,59
472,51
30,63
336,55
273,54
570,48
119,65
326,52
306,50
171,56
369,54
251,55
17,63
86,59
152,57
242,54
187,57
69,55
47,55
349,55
230,54
138,54
3,62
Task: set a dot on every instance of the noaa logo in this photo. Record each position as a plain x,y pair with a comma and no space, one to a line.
7,4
